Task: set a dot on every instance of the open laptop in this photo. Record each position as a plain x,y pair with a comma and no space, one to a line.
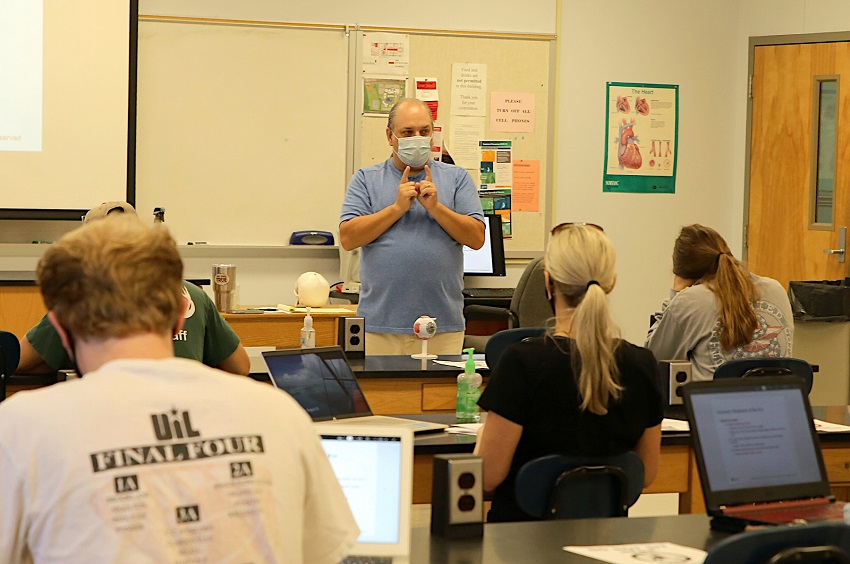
321,380
758,454
374,466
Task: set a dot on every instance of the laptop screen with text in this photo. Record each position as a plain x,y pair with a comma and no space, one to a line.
756,441
374,466
369,471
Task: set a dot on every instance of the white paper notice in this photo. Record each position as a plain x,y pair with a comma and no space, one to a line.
827,427
437,143
641,552
512,111
469,89
426,90
674,425
21,63
464,135
385,53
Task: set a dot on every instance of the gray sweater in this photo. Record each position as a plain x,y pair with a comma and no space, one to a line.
687,328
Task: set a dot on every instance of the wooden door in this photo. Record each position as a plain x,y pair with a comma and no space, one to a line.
782,241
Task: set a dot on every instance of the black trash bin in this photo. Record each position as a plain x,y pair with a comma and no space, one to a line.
820,300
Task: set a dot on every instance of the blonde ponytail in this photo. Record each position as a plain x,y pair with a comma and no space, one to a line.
581,262
593,358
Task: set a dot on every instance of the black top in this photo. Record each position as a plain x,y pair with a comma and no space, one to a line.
533,385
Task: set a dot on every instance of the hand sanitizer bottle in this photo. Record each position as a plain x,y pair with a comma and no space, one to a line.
308,334
468,392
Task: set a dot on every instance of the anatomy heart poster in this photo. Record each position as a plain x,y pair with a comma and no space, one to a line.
641,134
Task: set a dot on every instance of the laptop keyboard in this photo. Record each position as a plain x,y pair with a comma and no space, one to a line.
368,560
818,512
488,292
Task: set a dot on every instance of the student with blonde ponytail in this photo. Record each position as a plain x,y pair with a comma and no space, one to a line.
717,309
577,390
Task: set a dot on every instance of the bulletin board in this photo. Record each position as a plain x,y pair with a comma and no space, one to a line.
513,65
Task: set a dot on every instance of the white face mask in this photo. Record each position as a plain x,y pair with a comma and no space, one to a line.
414,151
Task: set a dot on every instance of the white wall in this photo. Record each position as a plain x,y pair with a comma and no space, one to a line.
682,42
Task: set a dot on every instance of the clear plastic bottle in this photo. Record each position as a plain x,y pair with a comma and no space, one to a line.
308,334
468,392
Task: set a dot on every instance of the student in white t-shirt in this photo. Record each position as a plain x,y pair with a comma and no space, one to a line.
148,457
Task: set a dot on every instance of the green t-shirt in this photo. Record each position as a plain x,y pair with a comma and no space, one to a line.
205,336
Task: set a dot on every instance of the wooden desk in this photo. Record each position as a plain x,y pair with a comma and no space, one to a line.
677,468
677,471
541,542
21,306
395,385
284,329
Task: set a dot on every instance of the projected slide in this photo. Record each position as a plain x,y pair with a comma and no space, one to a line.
66,105
21,39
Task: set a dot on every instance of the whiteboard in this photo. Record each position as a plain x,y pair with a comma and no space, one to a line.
72,60
241,130
244,130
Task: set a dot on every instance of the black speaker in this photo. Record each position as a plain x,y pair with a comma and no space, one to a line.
457,496
352,336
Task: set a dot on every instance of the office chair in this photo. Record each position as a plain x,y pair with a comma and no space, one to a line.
529,306
821,542
10,355
745,367
500,341
560,486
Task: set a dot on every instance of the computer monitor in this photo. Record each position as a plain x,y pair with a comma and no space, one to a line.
489,260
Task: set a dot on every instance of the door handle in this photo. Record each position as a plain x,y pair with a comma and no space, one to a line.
841,251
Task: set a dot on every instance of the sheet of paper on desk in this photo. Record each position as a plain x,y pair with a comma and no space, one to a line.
827,427
674,425
464,428
482,364
640,552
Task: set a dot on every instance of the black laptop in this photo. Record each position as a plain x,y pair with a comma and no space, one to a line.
758,454
321,380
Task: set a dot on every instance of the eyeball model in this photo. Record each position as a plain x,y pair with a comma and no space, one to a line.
312,290
425,327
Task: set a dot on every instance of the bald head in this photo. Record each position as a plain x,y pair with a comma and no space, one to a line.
404,104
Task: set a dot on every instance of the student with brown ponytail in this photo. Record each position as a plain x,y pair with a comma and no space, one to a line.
718,310
576,390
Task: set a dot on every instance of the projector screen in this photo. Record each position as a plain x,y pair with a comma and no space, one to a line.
67,106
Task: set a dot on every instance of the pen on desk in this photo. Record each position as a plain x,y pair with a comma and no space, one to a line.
196,243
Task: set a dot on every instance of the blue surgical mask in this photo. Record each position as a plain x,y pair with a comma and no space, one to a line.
414,151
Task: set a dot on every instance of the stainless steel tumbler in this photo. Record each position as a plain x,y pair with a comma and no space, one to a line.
224,286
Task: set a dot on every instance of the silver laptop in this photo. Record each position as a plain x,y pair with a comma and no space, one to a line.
321,380
374,466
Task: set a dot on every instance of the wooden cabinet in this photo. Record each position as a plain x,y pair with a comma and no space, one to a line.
21,307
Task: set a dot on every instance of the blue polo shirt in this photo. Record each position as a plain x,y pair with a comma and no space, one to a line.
414,268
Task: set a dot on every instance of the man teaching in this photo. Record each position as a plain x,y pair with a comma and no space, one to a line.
412,217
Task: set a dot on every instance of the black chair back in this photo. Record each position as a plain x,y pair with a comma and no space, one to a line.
818,542
746,367
577,487
500,341
10,355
